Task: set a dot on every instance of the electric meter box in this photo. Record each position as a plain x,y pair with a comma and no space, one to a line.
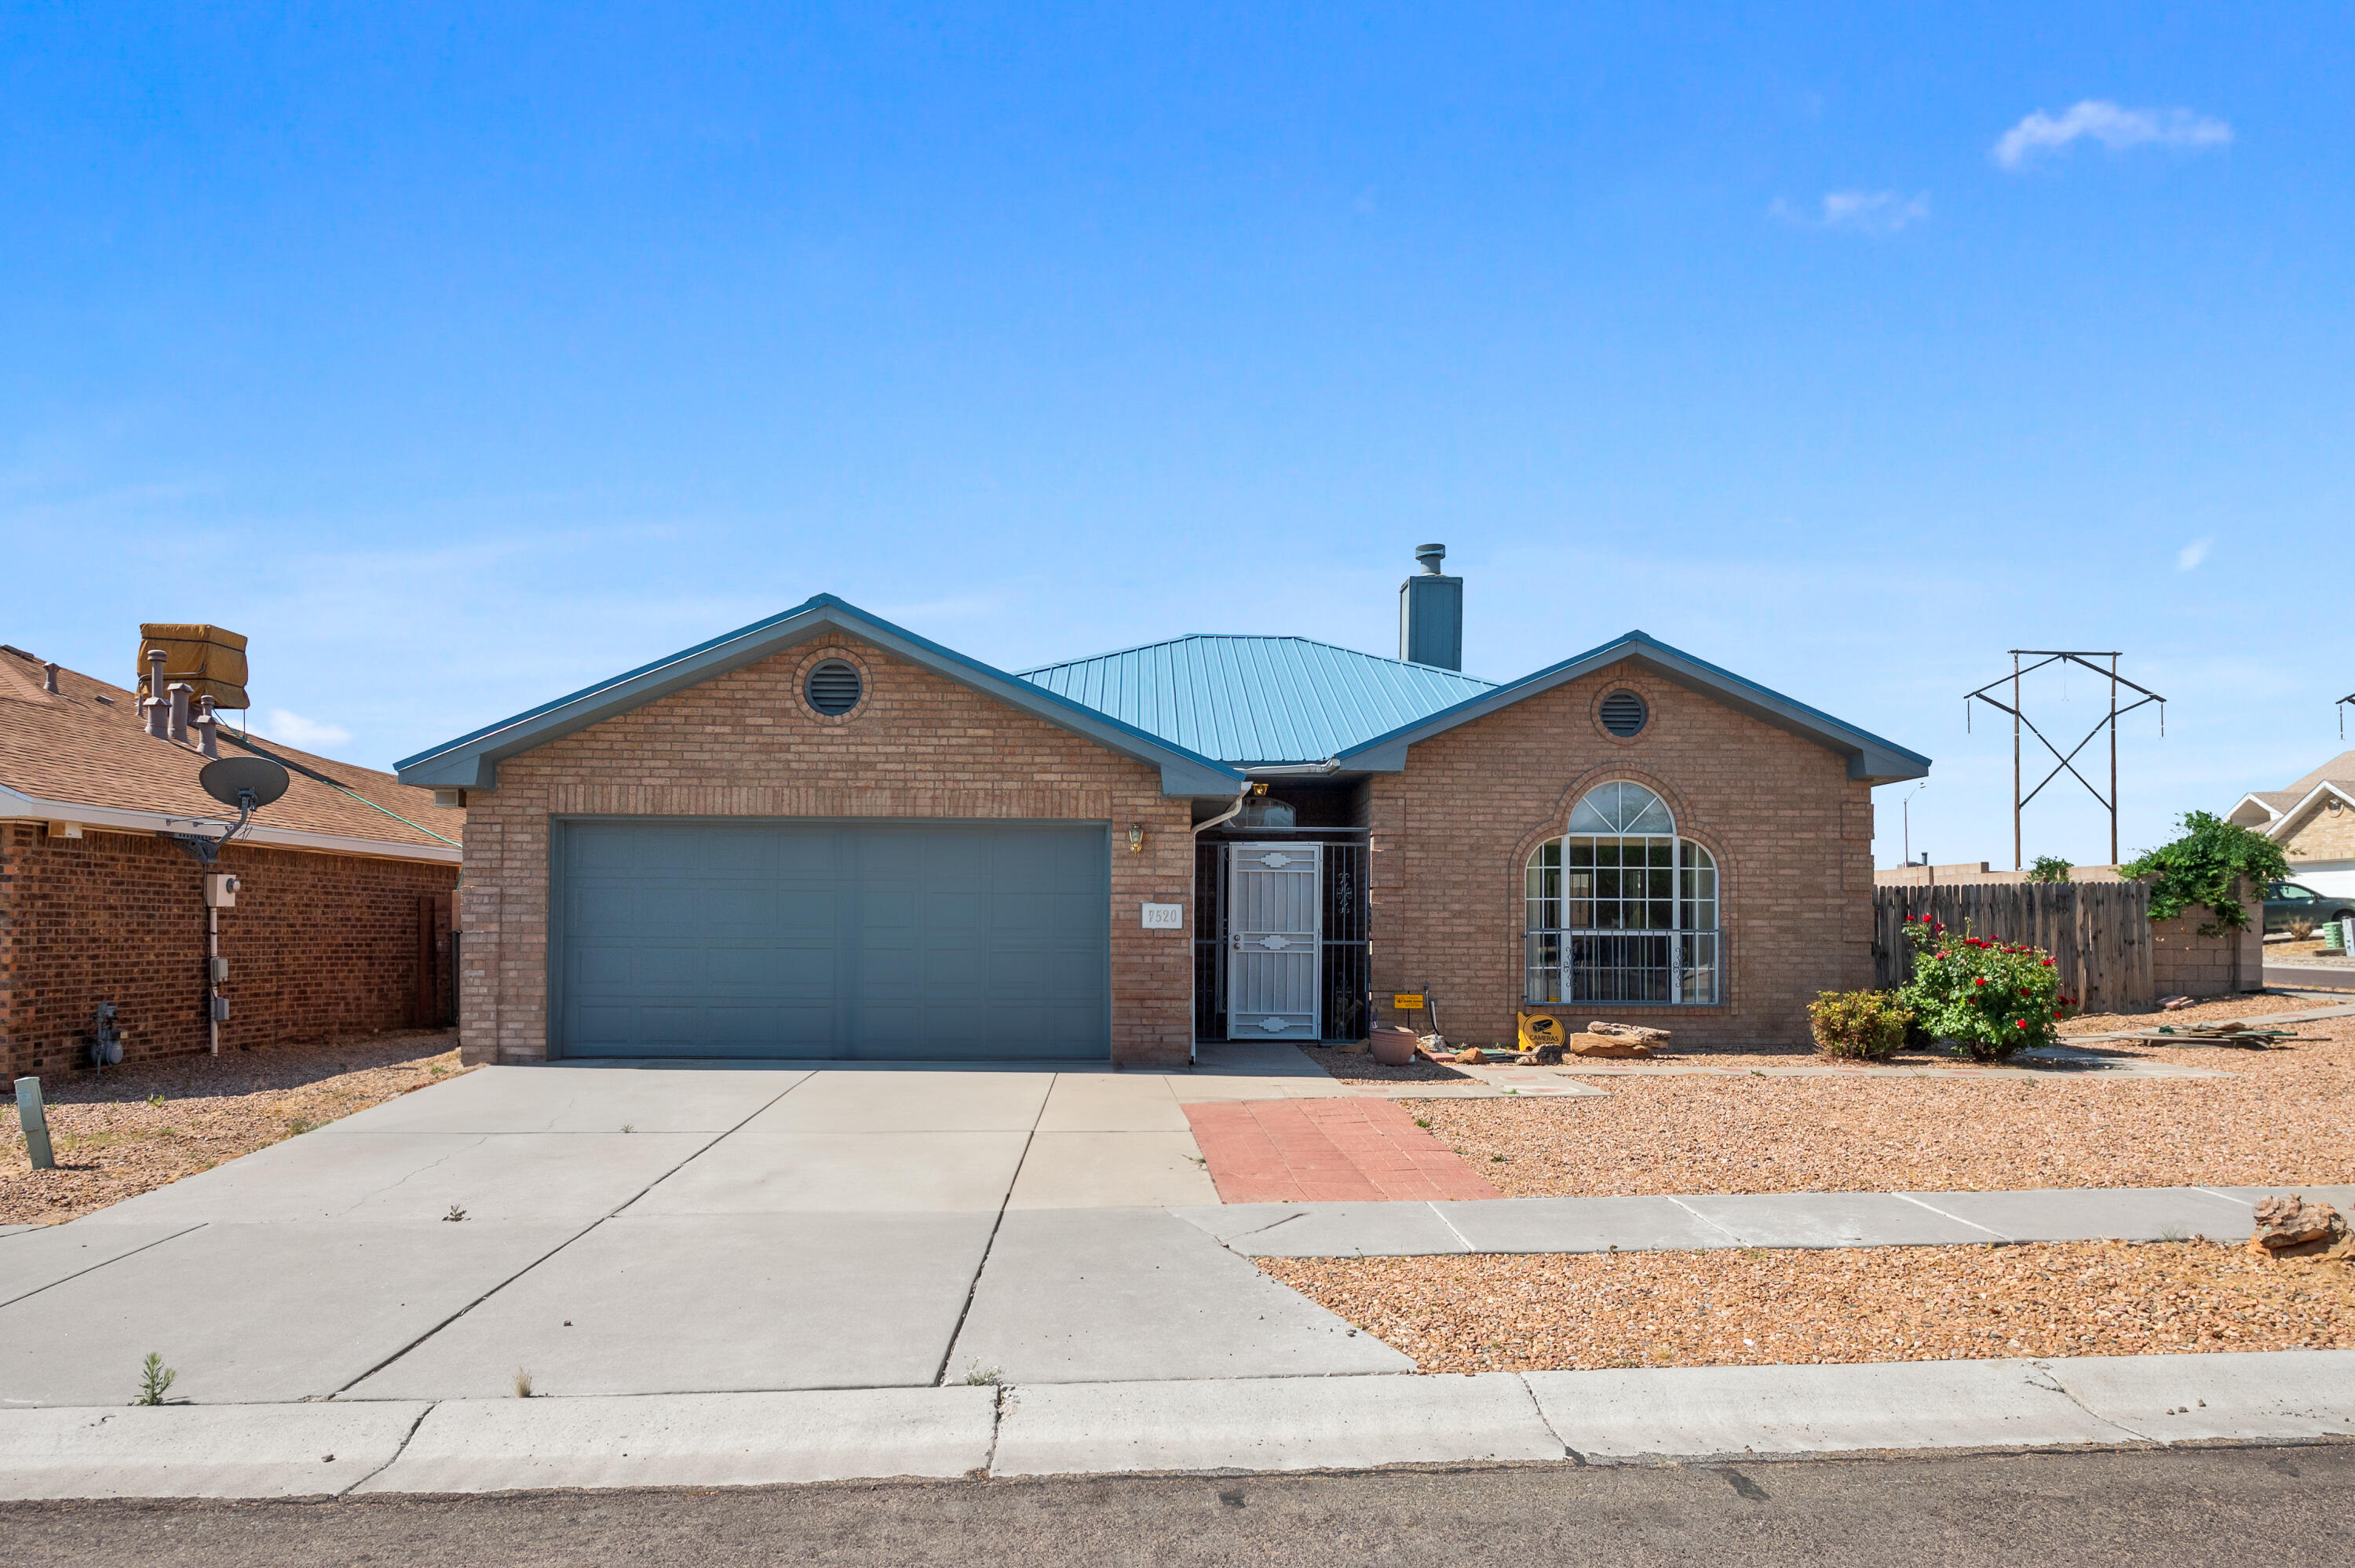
220,891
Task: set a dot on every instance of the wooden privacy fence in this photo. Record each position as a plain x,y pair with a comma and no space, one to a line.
2098,933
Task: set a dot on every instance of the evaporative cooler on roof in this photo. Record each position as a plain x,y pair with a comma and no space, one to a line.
208,658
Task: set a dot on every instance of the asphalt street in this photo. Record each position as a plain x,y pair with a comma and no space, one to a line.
2248,1506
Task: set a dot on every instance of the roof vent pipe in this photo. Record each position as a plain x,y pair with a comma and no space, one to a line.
205,725
179,693
153,708
49,676
1430,613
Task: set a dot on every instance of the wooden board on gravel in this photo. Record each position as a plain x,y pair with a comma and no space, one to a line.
147,1125
1535,1312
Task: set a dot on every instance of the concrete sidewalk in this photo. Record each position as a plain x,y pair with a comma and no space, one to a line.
1253,1425
1759,1220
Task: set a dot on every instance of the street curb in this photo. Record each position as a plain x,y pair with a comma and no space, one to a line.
199,1450
1621,1415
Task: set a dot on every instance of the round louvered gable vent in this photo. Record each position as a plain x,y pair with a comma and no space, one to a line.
833,687
1623,713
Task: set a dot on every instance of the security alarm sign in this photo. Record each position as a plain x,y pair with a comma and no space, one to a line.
1406,1001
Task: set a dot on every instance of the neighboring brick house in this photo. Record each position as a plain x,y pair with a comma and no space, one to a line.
332,933
823,836
2313,823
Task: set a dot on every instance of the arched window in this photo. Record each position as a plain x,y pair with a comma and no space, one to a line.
1622,910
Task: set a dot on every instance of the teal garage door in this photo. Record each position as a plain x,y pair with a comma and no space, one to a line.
915,942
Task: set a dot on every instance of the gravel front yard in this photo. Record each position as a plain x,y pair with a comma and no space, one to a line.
1866,1304
2285,1116
145,1125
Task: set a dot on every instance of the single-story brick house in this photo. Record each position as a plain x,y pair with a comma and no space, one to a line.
2313,823
823,835
340,919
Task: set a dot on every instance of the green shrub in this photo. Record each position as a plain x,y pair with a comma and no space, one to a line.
2202,866
1858,1025
2049,868
1985,999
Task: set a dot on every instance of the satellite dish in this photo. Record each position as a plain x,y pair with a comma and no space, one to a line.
243,783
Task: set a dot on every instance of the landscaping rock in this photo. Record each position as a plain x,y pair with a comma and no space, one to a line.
1549,1055
1592,1044
2292,1227
1640,1033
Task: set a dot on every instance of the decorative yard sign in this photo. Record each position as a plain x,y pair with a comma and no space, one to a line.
1165,916
1406,1001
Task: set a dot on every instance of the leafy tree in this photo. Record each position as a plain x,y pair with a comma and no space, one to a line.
2049,868
2202,867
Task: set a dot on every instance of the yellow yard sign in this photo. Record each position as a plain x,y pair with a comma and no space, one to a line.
1406,1001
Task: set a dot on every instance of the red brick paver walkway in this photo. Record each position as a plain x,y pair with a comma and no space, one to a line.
1319,1151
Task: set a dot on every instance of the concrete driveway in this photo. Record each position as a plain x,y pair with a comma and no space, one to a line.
667,1230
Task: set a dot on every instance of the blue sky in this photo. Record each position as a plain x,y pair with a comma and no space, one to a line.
461,358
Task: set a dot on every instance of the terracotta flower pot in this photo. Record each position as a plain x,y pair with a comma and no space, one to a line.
1393,1047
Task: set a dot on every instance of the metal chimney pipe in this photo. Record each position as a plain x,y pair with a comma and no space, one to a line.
50,675
207,727
179,692
1430,613
153,708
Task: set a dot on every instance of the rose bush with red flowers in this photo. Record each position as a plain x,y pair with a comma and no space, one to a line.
1984,999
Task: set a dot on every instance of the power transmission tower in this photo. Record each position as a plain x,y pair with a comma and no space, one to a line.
2065,762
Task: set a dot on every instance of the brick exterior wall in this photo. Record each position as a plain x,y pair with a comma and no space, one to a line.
320,946
1791,832
2325,834
744,745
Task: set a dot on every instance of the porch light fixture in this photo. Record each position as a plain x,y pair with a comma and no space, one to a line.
1136,838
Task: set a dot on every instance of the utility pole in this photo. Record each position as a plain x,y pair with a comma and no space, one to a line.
2064,762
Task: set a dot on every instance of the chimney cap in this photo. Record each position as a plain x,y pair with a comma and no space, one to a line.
1431,556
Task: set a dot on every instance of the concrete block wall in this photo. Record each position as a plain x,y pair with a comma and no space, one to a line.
2183,962
1791,833
745,744
320,947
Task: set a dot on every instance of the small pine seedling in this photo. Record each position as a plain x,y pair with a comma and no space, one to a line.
154,1379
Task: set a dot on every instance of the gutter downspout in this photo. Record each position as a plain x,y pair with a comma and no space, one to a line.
1293,770
1193,985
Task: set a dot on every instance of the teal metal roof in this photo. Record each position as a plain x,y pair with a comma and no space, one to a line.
1258,700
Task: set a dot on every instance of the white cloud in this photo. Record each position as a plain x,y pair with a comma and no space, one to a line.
2191,555
296,730
2114,127
1858,212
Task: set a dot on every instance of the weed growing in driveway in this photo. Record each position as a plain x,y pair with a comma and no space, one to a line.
2172,1233
301,1125
1422,1122
157,1100
154,1378
522,1384
455,1214
979,1376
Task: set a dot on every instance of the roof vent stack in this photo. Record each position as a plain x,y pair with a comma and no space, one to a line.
1430,613
206,725
49,676
152,708
177,694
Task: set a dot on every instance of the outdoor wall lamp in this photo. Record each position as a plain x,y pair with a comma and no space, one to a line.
1136,838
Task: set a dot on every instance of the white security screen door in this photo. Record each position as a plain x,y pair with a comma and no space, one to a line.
1275,941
